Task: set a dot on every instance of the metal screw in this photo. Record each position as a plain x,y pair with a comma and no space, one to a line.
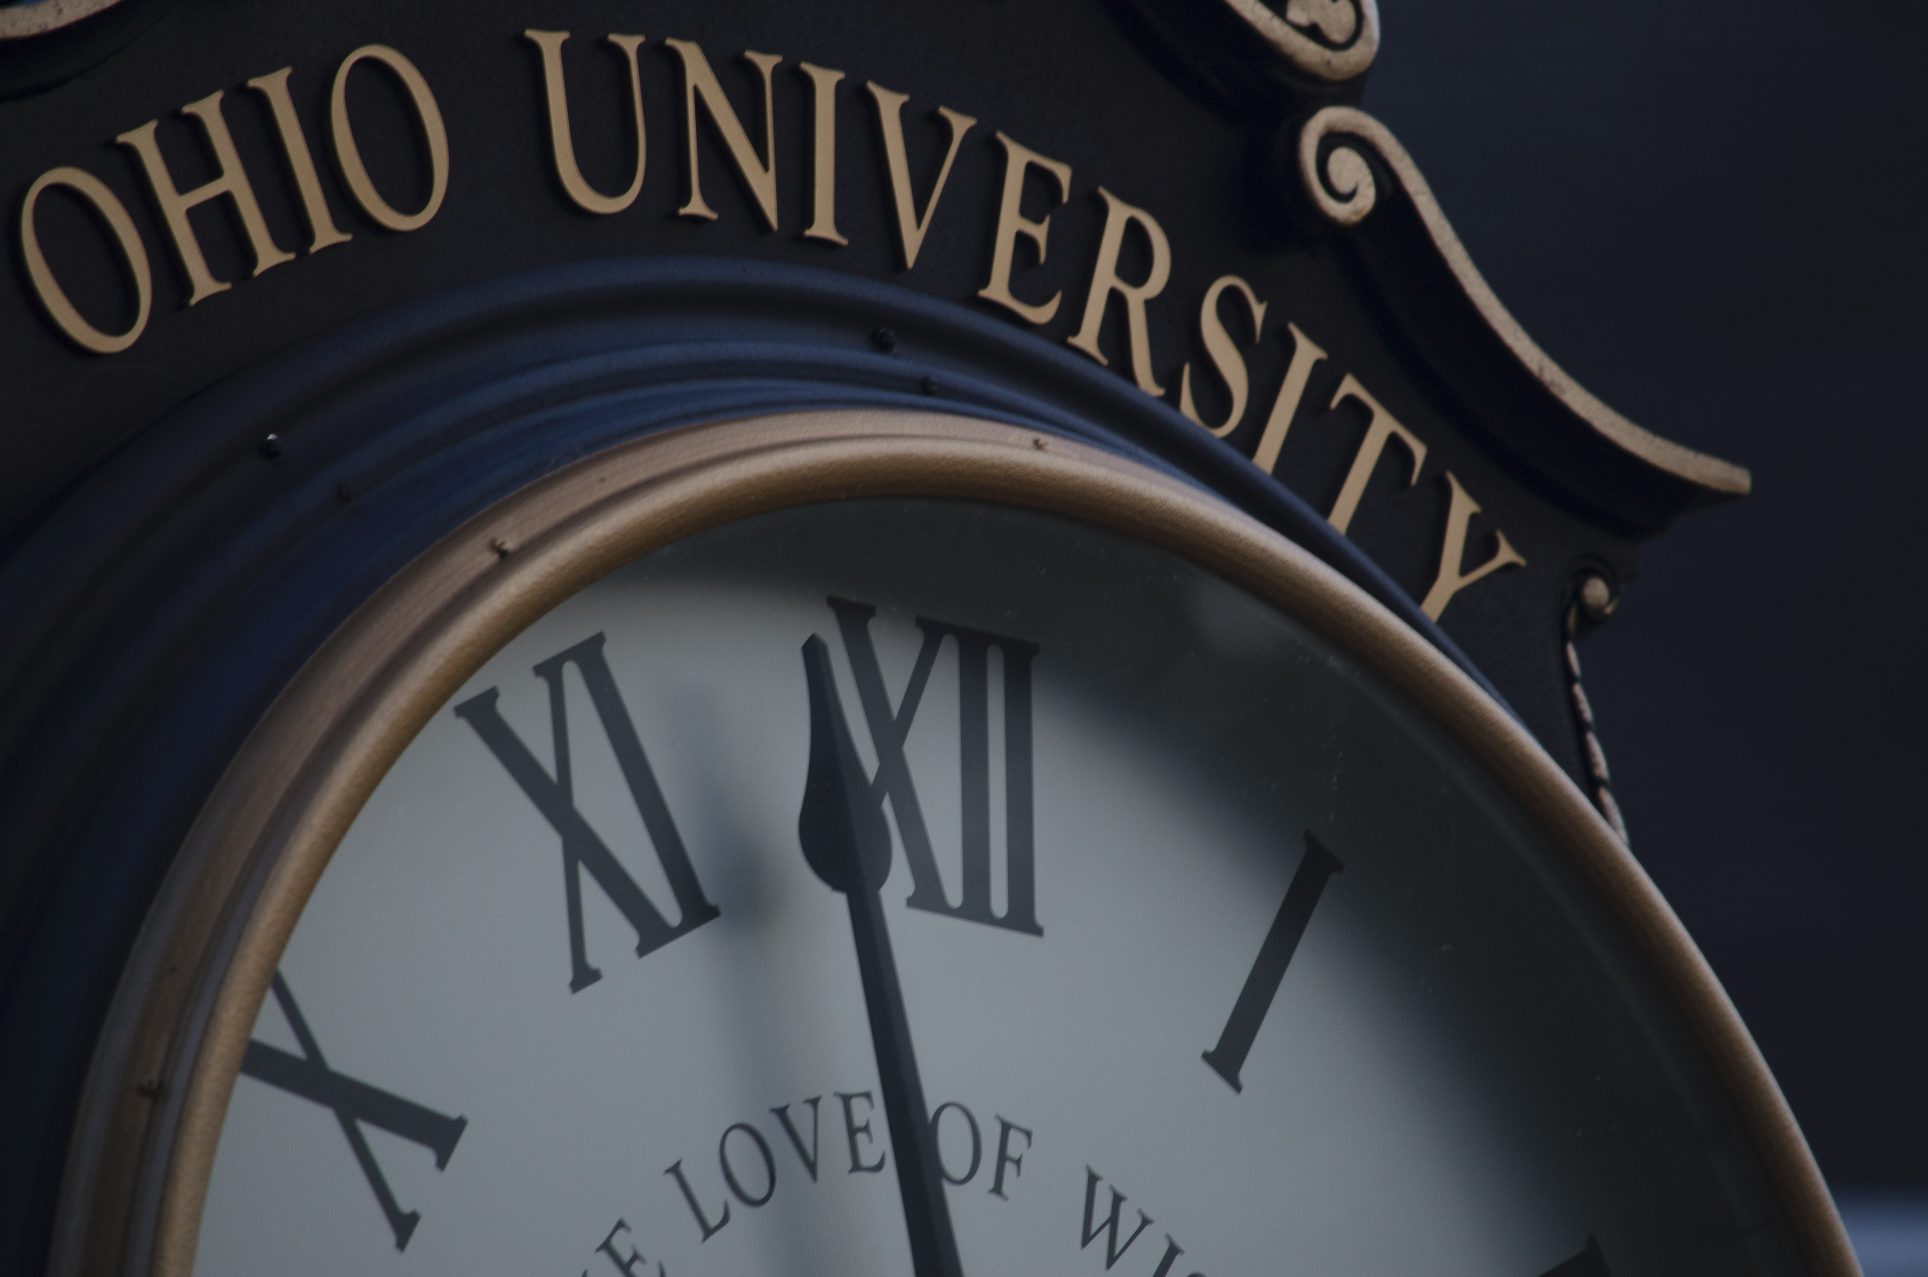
884,339
271,447
930,385
1598,598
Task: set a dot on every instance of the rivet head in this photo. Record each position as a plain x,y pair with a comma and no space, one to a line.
271,447
1598,598
884,339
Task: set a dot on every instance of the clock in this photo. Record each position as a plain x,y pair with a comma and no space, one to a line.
927,681
882,840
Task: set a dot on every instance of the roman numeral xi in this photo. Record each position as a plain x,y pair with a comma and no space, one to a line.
583,849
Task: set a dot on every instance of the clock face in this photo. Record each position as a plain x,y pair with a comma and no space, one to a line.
1216,953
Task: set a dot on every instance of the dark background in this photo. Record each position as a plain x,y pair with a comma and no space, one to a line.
1712,215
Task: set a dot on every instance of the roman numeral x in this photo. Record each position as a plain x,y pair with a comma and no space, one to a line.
353,1103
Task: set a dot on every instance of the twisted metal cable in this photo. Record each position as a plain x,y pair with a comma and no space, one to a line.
1593,602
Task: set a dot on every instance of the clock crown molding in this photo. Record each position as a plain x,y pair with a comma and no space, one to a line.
1333,40
1336,174
1246,54
1359,179
26,18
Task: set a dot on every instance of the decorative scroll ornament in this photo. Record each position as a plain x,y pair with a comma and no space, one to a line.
1343,154
20,20
1331,39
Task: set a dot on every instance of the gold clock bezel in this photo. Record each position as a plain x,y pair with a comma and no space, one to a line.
141,1159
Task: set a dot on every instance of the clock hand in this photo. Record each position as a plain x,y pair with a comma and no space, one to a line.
847,843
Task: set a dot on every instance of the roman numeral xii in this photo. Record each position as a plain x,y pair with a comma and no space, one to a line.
890,723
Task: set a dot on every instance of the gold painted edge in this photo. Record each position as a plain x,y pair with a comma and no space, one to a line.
1345,192
18,21
1352,26
327,741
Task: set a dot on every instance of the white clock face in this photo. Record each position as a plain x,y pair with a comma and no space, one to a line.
1216,956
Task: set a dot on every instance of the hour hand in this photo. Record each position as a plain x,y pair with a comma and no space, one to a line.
842,825
847,843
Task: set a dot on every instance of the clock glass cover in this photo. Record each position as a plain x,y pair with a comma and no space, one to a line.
1217,954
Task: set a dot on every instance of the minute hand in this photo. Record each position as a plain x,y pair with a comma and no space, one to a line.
847,843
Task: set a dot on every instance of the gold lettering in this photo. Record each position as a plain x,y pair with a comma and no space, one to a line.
301,161
1106,283
759,174
1381,429
1452,554
230,180
1306,355
562,142
823,154
1019,160
1224,354
52,296
435,140
911,223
